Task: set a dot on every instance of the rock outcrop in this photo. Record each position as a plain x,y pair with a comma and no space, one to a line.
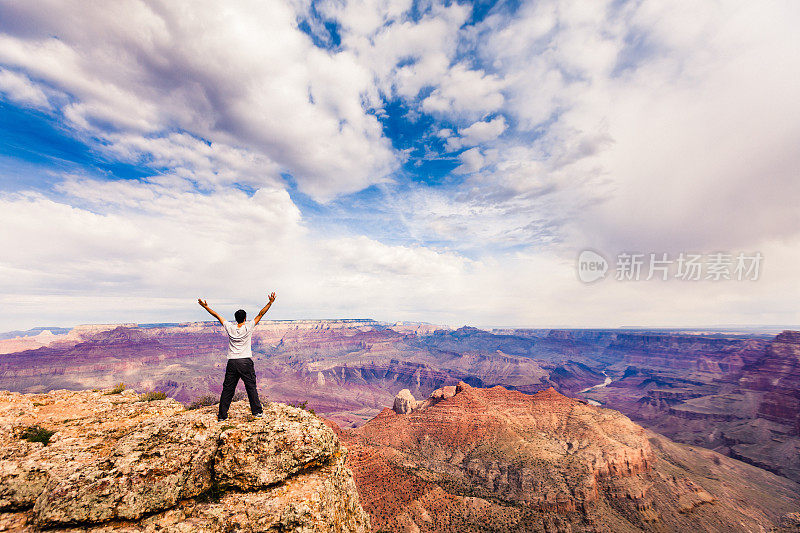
118,463
404,402
472,459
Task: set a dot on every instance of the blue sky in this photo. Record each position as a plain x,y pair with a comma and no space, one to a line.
400,160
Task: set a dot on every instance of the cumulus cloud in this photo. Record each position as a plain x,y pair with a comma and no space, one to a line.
474,224
670,128
123,251
617,126
167,243
150,69
404,55
702,140
186,156
471,161
478,133
465,92
126,237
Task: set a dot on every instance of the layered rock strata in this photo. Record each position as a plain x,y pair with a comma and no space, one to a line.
471,459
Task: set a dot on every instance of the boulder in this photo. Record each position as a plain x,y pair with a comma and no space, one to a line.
405,402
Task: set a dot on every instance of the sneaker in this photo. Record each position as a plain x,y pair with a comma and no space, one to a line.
259,415
221,419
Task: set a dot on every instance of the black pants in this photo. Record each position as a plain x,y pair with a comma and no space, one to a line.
239,368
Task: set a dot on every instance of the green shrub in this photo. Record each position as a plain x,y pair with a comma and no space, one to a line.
214,493
118,388
239,396
152,395
36,434
304,406
203,401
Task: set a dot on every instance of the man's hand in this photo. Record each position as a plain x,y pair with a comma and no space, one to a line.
204,305
265,309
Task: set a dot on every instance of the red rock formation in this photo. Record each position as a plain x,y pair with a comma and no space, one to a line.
470,459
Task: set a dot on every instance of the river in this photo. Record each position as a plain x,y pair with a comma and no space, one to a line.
598,386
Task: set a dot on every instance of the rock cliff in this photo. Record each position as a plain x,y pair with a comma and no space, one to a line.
778,374
742,400
116,462
471,459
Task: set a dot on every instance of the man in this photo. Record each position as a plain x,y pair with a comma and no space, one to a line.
240,358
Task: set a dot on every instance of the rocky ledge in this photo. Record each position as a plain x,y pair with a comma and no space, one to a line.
118,463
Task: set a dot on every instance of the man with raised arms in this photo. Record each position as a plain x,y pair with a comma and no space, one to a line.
240,357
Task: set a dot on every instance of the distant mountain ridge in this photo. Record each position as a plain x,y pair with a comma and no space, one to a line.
33,332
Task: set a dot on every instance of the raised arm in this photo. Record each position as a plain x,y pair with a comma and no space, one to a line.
265,309
204,305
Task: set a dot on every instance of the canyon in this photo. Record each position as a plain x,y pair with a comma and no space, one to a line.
734,392
738,396
347,369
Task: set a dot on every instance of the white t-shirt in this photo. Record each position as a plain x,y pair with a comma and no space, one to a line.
239,339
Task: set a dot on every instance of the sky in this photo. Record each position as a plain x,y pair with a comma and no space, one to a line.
444,162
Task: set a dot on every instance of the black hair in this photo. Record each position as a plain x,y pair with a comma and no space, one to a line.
240,315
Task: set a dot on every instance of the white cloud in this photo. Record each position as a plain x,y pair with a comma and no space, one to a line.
209,164
671,128
139,252
405,56
365,17
147,69
465,92
141,236
478,133
167,243
19,88
471,161
698,152
616,126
